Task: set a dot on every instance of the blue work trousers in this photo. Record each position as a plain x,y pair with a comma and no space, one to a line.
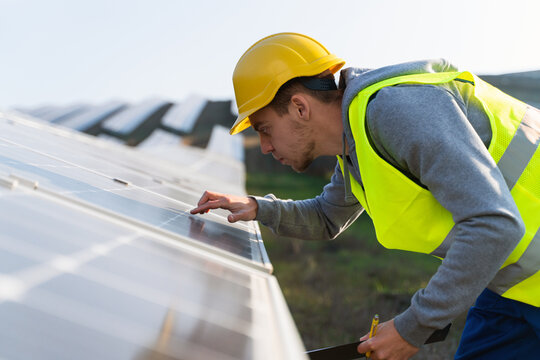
500,328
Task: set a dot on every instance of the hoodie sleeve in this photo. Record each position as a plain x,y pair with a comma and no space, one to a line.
321,218
425,132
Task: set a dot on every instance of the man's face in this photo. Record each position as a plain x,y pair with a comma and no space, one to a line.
286,137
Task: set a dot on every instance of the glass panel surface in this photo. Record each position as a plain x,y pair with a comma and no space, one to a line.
95,268
111,292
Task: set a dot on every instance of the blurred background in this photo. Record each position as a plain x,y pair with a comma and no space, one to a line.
62,59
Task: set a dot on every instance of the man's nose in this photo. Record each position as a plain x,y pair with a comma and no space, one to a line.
266,145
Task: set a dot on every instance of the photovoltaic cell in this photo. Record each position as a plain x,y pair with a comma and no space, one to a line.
11,262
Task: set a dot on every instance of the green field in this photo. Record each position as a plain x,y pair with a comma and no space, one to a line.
333,288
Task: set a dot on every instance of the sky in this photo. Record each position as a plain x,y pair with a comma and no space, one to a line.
62,52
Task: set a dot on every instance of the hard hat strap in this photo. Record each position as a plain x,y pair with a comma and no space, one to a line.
322,84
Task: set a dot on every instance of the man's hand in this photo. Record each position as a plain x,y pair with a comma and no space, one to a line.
387,344
241,207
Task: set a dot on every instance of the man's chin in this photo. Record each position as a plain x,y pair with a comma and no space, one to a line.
302,168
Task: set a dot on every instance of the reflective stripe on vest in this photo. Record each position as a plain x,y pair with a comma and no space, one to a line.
407,216
520,151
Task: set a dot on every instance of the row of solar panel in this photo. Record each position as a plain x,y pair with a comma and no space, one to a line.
121,119
100,258
150,123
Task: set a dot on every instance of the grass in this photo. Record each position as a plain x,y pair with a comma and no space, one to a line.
333,288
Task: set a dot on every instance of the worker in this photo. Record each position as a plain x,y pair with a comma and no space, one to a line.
442,162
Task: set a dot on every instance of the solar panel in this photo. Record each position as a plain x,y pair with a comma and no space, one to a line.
113,191
65,112
160,138
182,117
110,138
208,164
38,112
93,266
126,121
93,283
55,113
92,117
223,143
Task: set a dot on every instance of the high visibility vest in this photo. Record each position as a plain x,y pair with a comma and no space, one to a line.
406,216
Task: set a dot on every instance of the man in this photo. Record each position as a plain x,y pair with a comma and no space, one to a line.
442,162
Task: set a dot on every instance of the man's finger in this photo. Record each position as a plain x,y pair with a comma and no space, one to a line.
208,195
204,208
365,346
199,211
237,216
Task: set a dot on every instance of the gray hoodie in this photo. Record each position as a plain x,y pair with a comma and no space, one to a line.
438,137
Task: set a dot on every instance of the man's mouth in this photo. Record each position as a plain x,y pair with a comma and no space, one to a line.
280,159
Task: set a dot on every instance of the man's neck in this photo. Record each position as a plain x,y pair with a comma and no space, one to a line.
329,129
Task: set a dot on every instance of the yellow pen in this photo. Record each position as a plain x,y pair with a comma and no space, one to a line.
373,331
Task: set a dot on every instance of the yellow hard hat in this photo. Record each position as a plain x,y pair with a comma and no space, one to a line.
270,63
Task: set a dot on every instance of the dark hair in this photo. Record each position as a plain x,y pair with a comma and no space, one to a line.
281,101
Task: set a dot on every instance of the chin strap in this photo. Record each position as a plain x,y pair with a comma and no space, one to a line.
346,177
322,84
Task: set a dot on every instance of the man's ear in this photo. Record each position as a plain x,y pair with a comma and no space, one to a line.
300,106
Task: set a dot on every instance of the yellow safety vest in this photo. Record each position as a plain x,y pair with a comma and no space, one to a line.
408,217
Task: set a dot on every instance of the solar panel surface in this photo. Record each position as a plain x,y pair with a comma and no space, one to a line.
100,259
